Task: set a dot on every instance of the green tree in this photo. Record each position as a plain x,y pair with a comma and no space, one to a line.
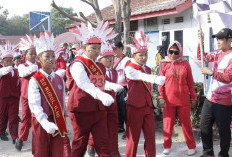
3,22
18,25
59,21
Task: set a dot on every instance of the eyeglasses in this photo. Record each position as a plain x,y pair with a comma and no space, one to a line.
175,52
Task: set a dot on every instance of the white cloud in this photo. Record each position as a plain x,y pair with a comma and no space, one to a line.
20,7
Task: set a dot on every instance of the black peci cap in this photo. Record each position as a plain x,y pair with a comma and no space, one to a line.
223,33
118,44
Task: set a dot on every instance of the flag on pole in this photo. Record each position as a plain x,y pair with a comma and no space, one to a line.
219,10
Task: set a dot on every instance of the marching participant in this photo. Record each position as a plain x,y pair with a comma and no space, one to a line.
140,113
26,71
46,101
120,62
9,94
61,60
87,99
106,58
17,59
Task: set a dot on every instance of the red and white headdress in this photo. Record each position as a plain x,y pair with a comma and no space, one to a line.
106,50
46,43
7,50
140,43
27,42
98,35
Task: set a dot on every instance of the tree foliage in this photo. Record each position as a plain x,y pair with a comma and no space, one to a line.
59,21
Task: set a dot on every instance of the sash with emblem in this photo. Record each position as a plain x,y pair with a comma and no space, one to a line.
147,84
96,75
53,101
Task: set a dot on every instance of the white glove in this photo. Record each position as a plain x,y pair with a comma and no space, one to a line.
49,127
160,80
6,70
105,98
33,68
117,87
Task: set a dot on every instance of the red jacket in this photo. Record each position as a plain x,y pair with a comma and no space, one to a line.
113,107
138,94
79,100
10,86
176,91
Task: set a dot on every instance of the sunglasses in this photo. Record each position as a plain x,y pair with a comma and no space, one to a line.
175,52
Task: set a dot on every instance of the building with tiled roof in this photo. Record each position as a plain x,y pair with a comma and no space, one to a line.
13,39
141,9
165,21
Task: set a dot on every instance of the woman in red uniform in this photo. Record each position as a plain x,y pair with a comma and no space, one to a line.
174,96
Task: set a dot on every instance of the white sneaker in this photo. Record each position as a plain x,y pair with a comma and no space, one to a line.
167,151
191,152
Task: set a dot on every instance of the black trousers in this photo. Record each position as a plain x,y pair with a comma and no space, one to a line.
221,114
121,107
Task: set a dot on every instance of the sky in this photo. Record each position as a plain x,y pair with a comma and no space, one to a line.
20,7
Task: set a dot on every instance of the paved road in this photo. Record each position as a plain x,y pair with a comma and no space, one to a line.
179,148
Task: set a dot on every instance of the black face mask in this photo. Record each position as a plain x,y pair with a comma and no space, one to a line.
175,52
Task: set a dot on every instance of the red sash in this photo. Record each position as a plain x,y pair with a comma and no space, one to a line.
53,101
96,75
138,67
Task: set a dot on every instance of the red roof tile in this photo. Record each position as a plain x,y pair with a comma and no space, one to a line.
139,7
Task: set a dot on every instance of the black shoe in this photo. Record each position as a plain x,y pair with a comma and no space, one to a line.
6,133
13,141
19,119
4,137
124,136
120,130
91,152
19,144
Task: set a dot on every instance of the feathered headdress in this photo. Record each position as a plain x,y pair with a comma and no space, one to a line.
140,43
98,35
27,42
7,50
46,43
106,50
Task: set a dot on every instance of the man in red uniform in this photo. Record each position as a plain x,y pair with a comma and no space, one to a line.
9,94
87,99
26,71
106,58
140,113
46,97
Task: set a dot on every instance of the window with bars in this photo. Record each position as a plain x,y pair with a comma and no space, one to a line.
151,24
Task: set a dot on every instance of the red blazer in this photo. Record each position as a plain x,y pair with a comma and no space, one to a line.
79,100
10,86
138,94
25,82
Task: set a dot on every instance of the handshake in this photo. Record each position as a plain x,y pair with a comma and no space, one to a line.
6,70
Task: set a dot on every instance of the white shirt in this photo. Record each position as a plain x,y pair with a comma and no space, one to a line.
133,74
34,97
82,80
24,70
121,71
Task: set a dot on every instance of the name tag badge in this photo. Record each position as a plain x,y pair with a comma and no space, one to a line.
59,87
98,81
